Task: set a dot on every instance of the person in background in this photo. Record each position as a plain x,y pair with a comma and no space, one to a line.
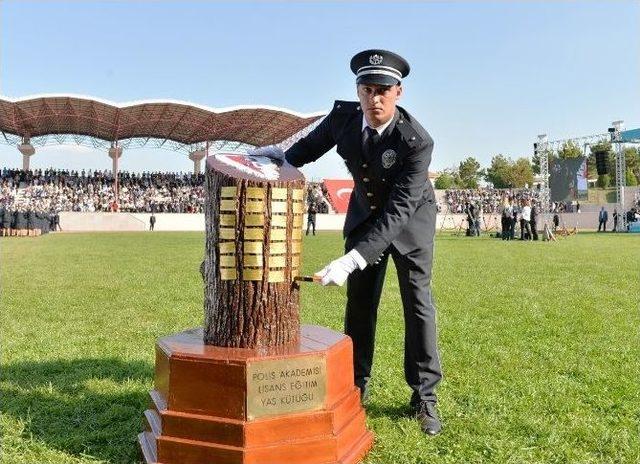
312,209
56,221
556,222
469,210
506,219
603,217
5,219
478,218
534,221
525,223
514,219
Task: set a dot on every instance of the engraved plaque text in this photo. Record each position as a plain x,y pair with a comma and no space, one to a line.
283,386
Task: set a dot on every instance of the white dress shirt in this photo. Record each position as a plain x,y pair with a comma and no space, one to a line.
379,129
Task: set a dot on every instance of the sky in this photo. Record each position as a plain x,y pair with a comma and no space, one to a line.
486,77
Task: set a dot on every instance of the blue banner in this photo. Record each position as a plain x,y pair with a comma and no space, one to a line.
630,136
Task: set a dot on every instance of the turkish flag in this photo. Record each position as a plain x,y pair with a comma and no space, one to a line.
339,193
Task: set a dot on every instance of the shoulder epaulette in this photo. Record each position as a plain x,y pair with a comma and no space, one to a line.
409,133
412,132
346,106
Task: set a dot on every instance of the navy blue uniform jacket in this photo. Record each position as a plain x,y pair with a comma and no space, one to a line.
393,200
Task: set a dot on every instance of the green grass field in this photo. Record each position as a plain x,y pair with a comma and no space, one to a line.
540,346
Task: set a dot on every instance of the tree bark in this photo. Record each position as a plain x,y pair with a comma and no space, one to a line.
252,253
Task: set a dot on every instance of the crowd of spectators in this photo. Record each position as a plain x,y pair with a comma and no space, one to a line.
92,191
54,190
30,198
490,200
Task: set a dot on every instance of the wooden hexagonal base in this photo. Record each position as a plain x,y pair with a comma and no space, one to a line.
264,406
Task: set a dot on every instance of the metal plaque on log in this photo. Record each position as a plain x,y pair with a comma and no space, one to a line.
283,386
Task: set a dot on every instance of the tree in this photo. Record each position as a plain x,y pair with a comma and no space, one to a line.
631,179
632,161
521,173
499,171
535,162
444,181
592,171
611,162
569,150
601,146
603,181
469,172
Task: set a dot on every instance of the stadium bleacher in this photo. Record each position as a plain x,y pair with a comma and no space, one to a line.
86,191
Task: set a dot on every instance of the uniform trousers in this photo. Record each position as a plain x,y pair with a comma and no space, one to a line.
421,359
602,225
311,223
534,228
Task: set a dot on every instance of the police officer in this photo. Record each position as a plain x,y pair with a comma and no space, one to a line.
534,221
312,209
470,211
392,212
5,221
56,222
31,222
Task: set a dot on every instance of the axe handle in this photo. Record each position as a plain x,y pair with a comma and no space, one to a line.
307,279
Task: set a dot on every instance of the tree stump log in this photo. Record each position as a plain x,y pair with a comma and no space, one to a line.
253,216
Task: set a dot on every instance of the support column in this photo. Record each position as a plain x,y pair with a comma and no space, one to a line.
197,157
27,151
115,152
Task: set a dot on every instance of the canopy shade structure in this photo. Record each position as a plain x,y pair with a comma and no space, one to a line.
168,124
630,136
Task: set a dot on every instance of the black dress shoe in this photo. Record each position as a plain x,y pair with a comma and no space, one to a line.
427,415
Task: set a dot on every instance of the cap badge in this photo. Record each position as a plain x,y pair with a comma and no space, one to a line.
375,59
388,158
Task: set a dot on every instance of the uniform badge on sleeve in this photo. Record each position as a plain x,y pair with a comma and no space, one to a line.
388,158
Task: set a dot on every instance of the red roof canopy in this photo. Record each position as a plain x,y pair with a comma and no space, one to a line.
181,122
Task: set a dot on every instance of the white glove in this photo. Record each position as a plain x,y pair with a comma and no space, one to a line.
270,151
337,271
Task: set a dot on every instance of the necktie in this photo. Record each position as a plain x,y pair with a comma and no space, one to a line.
370,139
